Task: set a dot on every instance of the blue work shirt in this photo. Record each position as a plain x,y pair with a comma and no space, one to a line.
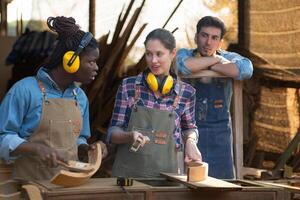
21,109
213,98
243,64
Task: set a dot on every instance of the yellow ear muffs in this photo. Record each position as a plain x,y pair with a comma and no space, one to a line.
154,84
73,67
71,61
166,85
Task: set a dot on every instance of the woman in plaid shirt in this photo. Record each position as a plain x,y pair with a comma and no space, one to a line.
153,118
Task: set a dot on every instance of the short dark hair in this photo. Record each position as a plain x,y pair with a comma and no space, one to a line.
164,36
211,21
69,37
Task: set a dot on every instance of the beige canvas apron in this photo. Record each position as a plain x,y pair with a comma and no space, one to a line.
160,154
59,128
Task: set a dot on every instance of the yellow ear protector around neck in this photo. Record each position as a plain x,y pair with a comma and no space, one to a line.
163,86
71,61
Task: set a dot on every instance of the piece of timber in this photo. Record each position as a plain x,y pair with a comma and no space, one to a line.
209,183
32,192
197,172
69,179
284,183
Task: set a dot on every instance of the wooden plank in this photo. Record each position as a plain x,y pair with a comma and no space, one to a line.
252,172
32,192
70,179
290,188
238,127
210,183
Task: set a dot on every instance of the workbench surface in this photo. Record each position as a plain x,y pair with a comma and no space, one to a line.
152,189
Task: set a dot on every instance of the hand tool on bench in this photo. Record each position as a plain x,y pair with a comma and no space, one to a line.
69,179
76,166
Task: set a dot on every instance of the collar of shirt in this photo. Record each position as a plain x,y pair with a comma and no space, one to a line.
43,75
141,80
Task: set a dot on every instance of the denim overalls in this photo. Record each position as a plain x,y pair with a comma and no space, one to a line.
213,119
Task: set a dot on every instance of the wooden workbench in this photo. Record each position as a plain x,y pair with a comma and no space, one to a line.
106,189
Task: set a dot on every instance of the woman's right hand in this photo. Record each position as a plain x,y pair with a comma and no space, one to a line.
142,139
48,155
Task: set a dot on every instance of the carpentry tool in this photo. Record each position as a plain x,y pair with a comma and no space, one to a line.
136,145
124,181
76,166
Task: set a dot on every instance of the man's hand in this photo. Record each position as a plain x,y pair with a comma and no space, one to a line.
222,60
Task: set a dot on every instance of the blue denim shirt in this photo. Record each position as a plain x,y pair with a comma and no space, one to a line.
21,109
244,66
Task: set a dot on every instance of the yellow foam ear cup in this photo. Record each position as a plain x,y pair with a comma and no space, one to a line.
164,87
167,85
74,66
152,82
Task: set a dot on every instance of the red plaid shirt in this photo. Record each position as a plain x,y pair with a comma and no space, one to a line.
185,110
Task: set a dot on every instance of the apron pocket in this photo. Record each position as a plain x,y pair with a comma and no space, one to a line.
61,134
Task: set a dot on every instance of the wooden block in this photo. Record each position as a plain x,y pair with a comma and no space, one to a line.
197,173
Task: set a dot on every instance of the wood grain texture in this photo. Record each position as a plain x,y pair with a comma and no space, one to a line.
69,179
210,183
197,173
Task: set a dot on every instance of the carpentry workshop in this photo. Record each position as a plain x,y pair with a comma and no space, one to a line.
150,99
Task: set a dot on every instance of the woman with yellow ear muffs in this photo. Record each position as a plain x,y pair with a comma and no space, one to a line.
45,118
153,118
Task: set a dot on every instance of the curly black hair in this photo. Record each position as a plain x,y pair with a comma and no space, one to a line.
69,37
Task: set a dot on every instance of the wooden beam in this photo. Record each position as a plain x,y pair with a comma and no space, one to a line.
92,17
238,127
3,23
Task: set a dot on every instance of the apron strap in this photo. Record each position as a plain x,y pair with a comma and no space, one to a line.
177,98
137,93
42,88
